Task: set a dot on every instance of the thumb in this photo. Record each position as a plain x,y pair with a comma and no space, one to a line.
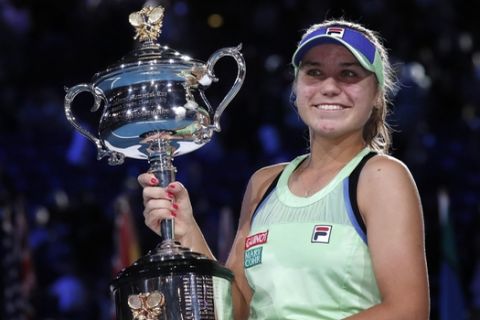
178,190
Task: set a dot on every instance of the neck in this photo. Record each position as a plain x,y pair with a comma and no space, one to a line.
324,162
334,151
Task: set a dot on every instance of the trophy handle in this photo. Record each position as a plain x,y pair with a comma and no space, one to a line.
235,53
115,158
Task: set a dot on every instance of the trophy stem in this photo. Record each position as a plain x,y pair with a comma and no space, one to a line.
161,165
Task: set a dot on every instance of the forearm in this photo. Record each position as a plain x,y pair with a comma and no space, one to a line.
195,241
240,306
385,311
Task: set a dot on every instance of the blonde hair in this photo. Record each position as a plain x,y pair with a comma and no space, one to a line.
377,132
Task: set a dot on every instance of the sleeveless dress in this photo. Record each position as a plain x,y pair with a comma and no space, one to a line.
307,258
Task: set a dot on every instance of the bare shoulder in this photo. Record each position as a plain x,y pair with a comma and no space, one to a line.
386,184
381,167
257,186
261,180
263,177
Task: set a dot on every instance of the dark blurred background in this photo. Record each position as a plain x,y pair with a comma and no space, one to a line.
64,215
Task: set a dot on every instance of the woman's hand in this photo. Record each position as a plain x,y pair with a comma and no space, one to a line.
171,202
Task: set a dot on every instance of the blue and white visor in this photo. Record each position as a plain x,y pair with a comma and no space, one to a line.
355,41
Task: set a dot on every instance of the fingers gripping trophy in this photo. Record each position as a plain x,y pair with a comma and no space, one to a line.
154,107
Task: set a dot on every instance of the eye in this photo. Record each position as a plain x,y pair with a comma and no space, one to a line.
352,75
348,73
313,72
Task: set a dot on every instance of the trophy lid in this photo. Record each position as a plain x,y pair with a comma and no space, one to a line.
148,52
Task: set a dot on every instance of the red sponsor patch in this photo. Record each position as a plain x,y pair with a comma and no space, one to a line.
256,239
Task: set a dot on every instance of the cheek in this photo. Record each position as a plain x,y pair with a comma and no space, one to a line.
304,94
365,102
369,93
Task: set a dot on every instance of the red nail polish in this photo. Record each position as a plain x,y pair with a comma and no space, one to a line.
173,213
154,181
170,195
172,186
175,206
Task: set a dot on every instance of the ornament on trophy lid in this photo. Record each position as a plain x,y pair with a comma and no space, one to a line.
147,22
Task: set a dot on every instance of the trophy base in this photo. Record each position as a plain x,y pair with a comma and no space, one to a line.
172,282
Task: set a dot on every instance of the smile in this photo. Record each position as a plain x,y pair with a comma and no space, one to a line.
329,107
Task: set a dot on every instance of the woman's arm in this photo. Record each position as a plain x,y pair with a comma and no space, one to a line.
172,202
390,205
257,186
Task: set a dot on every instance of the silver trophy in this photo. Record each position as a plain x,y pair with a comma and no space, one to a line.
154,108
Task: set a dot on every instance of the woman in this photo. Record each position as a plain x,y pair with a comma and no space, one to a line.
336,233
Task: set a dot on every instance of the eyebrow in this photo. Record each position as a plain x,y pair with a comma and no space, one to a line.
343,64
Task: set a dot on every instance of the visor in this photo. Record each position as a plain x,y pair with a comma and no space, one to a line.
355,41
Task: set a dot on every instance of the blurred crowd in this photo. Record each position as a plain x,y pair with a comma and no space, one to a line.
59,206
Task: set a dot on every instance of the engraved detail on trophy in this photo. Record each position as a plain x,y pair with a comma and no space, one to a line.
198,291
147,22
146,306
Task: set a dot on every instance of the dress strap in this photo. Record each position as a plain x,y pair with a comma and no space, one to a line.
352,190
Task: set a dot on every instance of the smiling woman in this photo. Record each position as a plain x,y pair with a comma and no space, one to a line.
335,94
369,53
338,232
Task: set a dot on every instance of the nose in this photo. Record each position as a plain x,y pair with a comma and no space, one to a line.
330,87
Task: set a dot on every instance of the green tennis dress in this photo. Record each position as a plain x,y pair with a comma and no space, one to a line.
307,258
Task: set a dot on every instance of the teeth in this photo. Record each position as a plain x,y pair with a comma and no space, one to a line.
329,107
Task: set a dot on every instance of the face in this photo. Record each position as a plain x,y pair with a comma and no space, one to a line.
335,94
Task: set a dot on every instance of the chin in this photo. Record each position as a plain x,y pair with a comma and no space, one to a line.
330,131
327,133
327,129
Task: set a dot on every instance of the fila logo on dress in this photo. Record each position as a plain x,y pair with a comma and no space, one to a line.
321,233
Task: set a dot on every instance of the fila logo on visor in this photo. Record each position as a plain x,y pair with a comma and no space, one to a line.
321,233
335,32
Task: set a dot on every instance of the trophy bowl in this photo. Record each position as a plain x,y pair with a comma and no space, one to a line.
154,93
154,108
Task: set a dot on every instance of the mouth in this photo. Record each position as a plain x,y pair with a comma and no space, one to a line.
329,107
